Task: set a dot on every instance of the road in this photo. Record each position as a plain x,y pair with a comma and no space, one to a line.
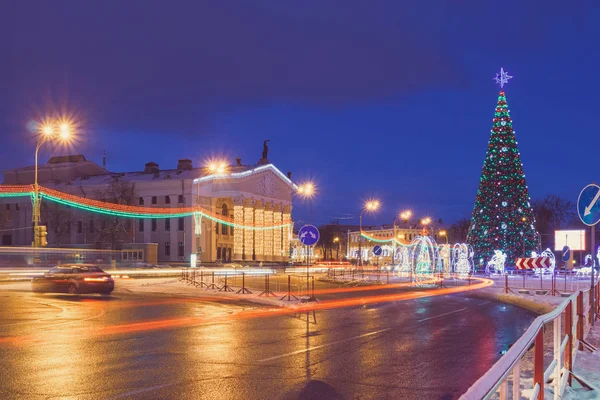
152,346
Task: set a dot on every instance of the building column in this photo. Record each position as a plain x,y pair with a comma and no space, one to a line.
277,239
259,221
286,240
268,233
248,233
238,232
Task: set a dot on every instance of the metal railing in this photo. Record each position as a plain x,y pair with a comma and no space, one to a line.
579,316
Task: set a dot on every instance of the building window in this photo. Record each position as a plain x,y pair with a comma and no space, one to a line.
180,249
91,226
180,199
218,253
167,225
17,206
79,226
180,224
141,225
167,248
141,201
153,199
167,200
153,225
225,212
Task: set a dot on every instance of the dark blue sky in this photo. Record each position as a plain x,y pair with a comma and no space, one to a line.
392,99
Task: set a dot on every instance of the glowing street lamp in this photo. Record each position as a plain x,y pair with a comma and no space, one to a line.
444,234
403,216
337,252
219,167
307,190
369,206
425,221
46,134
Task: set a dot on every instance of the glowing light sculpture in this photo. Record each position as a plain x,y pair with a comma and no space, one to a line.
462,260
496,264
424,255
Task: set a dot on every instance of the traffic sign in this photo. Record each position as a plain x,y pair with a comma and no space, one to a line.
377,250
533,262
588,206
566,253
308,235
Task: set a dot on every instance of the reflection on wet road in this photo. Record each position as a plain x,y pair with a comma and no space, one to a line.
55,346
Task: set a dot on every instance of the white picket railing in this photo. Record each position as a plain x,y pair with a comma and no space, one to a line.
579,316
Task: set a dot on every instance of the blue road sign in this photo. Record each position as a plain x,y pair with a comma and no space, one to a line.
588,206
377,250
308,235
566,253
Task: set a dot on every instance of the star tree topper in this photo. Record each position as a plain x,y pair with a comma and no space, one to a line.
502,78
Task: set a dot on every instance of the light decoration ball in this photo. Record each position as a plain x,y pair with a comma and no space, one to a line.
502,217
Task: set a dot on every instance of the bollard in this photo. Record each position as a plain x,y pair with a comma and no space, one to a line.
388,276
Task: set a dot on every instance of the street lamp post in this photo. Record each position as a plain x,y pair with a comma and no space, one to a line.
369,206
307,191
404,216
47,133
337,251
444,234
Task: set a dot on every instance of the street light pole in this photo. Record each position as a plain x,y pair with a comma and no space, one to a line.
47,132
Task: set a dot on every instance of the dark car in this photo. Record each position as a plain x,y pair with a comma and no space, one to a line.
74,279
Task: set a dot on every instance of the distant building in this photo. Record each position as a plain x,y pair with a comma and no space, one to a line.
373,236
249,194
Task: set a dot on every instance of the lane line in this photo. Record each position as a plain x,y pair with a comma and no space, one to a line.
451,312
293,353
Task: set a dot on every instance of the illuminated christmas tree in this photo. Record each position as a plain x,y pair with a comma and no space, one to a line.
502,216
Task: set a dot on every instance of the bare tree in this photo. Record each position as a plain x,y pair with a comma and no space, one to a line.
459,230
113,229
59,219
552,213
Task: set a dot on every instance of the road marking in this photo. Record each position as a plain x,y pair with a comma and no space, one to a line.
143,390
451,312
293,353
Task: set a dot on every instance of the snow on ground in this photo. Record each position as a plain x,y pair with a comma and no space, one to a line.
179,288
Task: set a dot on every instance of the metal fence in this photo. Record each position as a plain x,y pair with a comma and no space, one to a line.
571,322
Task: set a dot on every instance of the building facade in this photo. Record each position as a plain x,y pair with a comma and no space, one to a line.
248,195
381,236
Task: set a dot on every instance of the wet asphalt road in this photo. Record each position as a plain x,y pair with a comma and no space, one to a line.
89,347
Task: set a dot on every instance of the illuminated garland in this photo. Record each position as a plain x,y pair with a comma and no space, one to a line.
120,210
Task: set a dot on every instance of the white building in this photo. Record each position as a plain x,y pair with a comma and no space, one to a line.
250,195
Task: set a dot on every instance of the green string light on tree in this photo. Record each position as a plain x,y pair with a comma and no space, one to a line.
502,216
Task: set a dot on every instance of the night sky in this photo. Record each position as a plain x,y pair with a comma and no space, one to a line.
388,99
